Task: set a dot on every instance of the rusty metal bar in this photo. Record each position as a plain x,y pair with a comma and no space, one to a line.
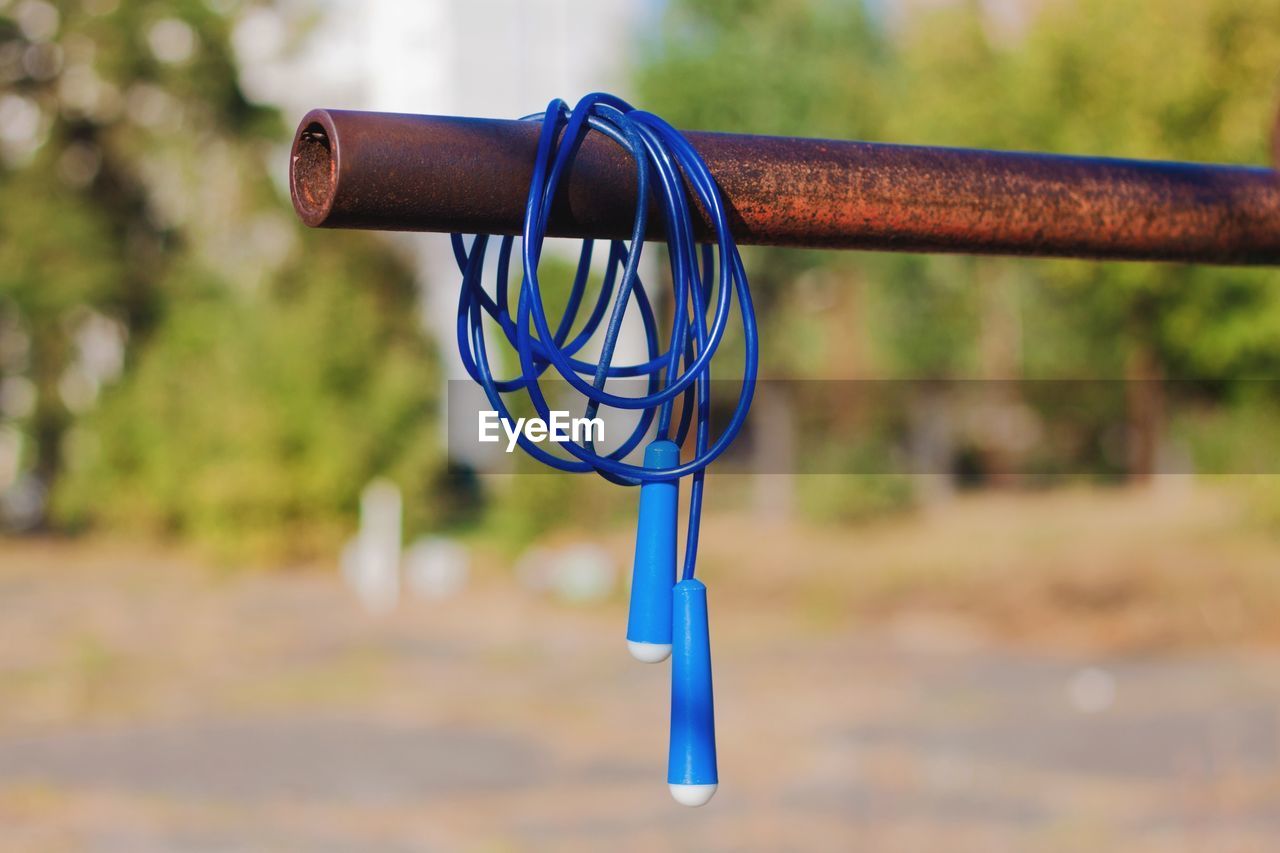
430,173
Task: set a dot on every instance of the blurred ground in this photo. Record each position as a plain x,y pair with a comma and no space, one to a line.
1069,671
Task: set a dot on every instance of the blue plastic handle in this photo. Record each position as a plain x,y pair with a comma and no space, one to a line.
654,572
691,764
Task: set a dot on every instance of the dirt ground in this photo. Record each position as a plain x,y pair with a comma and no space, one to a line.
1070,671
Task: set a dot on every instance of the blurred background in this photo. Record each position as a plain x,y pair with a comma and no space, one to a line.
1022,599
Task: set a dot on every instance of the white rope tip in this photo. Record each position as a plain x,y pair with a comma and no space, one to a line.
649,652
692,795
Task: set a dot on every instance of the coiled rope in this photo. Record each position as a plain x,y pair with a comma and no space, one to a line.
664,161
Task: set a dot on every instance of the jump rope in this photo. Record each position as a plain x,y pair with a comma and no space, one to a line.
668,615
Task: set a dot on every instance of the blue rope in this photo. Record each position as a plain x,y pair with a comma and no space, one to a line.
664,162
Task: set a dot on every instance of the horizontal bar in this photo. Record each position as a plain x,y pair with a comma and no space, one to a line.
397,172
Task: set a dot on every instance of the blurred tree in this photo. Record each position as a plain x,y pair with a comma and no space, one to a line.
263,377
96,97
1186,80
252,424
1183,79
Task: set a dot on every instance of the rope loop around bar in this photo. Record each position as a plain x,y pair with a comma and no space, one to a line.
705,280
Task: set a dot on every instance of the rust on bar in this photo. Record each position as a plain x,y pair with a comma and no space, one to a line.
430,173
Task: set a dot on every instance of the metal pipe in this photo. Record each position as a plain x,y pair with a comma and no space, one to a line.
429,173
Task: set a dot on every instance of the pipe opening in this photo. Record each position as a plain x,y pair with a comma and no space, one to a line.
314,171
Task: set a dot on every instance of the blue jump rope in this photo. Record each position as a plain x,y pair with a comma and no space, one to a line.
667,617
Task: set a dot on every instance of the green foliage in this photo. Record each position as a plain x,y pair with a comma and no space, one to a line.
269,374
754,66
535,502
1189,79
1179,79
1239,440
102,121
844,498
252,421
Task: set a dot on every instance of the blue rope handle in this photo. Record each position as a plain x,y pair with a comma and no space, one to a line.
664,162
